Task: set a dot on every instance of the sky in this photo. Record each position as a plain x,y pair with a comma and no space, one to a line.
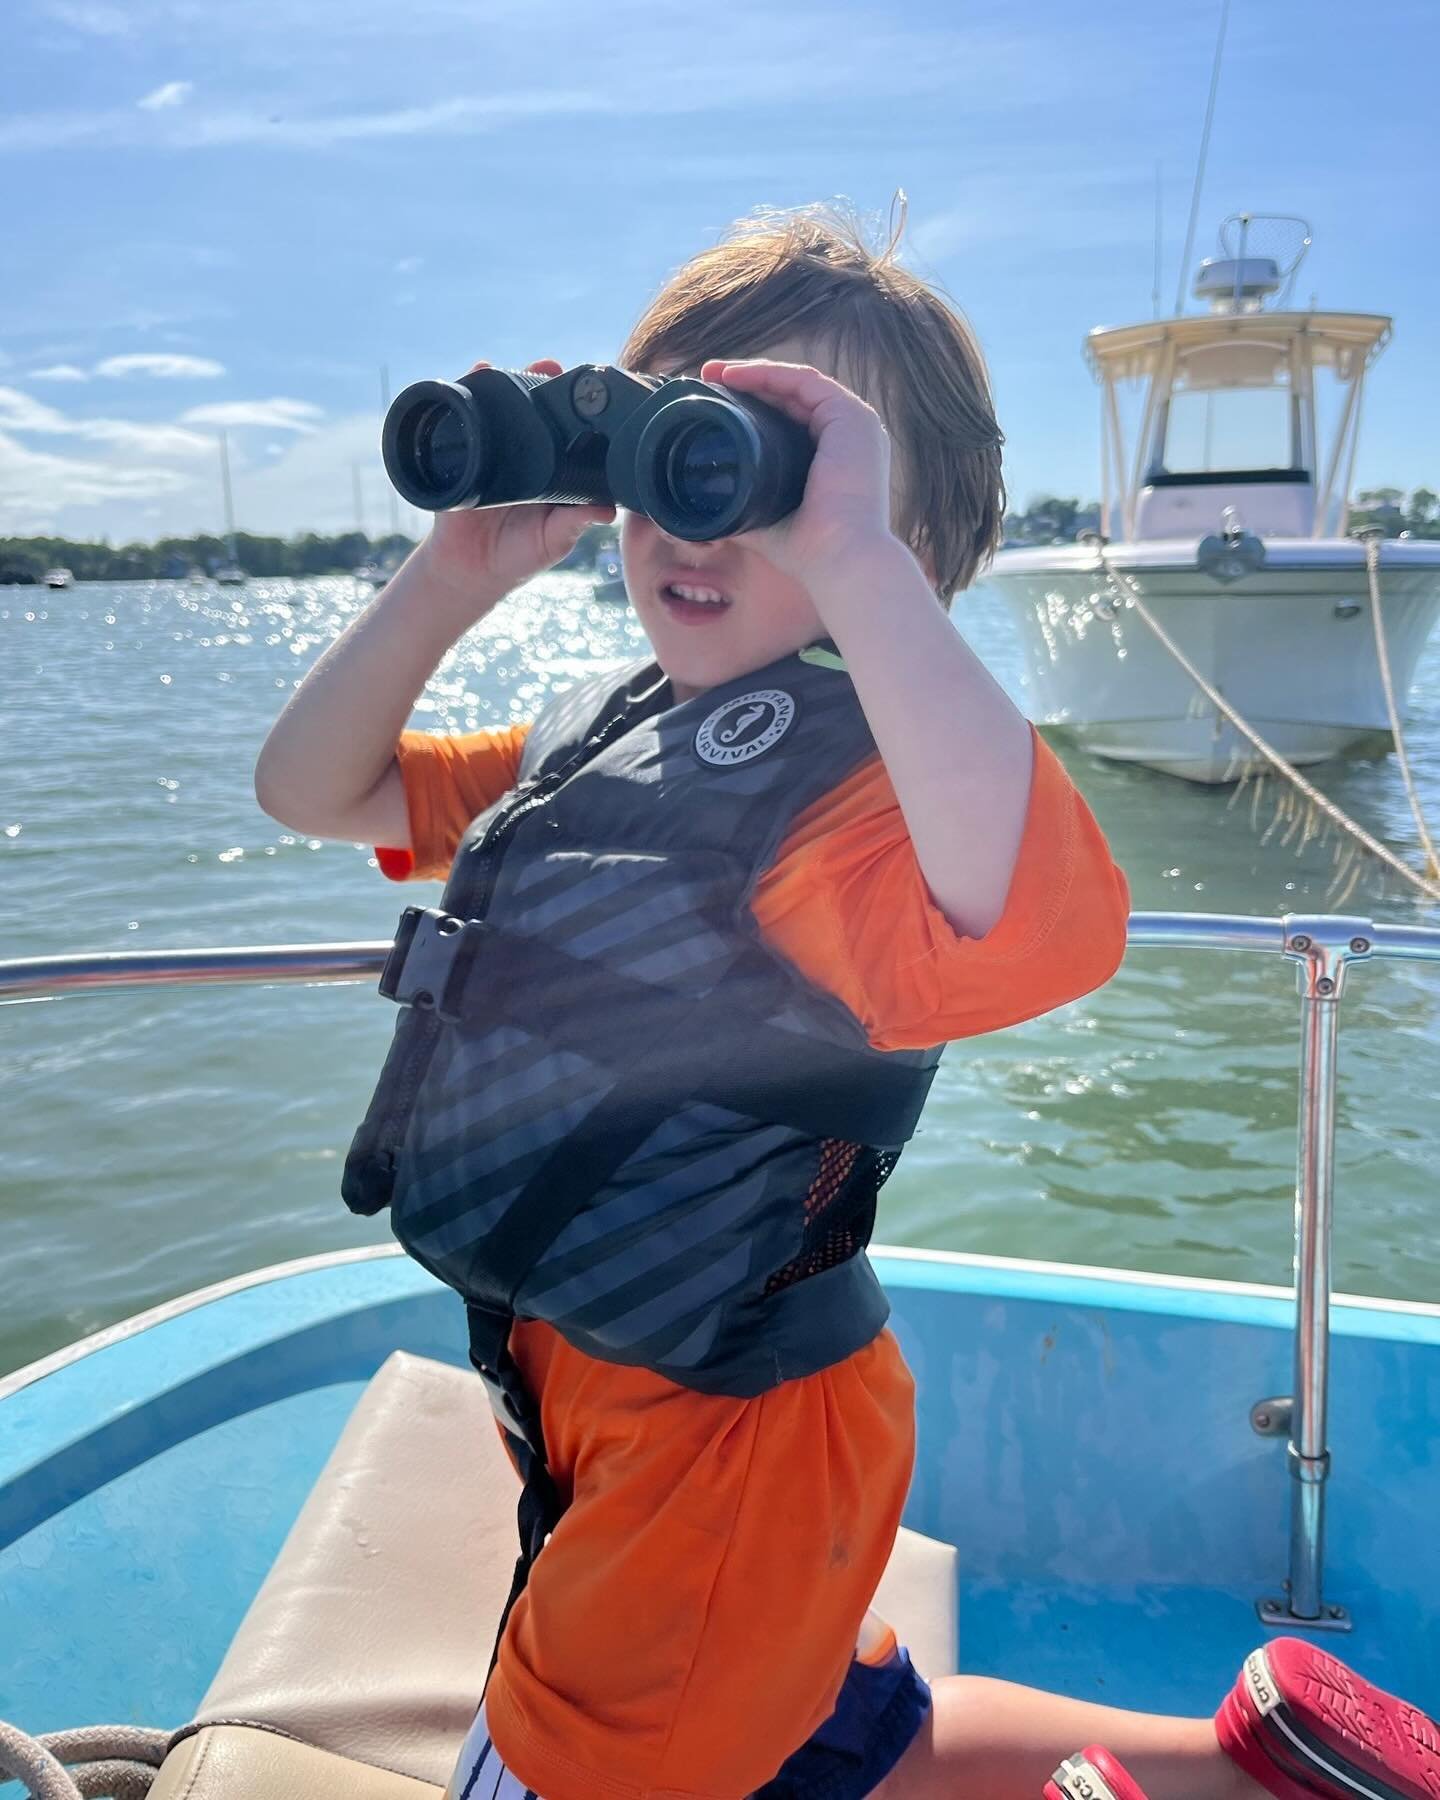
233,217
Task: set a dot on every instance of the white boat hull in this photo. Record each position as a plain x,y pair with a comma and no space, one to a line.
1290,647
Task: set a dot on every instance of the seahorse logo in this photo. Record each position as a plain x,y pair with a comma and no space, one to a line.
727,734
745,728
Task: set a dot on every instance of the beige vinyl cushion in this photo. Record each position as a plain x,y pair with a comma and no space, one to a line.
234,1762
371,1635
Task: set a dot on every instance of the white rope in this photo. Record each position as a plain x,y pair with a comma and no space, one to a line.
119,1761
1127,588
1382,656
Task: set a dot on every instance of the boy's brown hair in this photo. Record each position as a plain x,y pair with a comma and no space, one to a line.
811,274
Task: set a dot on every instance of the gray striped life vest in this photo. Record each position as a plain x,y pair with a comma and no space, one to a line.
607,1104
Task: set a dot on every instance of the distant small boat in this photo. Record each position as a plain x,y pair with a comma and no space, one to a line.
371,574
59,578
609,577
229,574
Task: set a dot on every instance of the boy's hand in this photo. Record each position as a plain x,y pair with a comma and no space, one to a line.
481,555
846,508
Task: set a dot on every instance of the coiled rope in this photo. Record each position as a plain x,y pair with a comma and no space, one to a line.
119,1761
1371,536
1126,589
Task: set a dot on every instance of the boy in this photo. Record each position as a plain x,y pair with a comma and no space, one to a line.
949,884
894,860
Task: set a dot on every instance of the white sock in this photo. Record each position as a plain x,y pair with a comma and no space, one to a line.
480,1774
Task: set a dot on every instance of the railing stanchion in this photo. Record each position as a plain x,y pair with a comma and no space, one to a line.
1324,947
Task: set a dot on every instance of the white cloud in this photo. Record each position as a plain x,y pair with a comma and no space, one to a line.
308,487
636,68
163,366
407,265
311,486
37,487
59,372
19,412
279,415
173,93
148,440
94,20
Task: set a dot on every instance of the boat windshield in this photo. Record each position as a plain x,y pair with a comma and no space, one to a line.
1231,414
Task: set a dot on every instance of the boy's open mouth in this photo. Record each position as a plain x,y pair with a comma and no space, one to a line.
694,602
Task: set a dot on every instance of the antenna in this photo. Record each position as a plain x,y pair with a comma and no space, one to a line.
384,408
1204,152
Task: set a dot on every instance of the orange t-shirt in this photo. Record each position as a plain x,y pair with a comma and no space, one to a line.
704,1531
845,900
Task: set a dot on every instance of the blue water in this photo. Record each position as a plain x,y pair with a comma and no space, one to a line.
155,1141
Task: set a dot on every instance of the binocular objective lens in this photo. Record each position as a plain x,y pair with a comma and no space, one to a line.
703,472
440,447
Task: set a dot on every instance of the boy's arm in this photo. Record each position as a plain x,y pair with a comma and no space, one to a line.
328,767
847,903
958,752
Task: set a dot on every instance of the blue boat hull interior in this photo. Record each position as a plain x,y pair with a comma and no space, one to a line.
1085,1442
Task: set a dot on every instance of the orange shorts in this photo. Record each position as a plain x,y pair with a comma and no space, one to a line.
690,1623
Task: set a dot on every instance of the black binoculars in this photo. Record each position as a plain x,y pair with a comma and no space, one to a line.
700,461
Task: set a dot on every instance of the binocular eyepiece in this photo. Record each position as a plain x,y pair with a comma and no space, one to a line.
700,461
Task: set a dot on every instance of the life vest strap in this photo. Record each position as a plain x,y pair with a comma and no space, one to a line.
517,1412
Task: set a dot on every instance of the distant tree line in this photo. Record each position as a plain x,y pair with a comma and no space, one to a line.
1388,507
1047,519
27,559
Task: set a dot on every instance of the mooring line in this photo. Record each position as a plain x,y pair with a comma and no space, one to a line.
1371,538
1121,581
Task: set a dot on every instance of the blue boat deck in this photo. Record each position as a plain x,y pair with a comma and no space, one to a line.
1084,1441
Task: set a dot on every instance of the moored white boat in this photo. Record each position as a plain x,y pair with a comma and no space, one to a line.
1229,524
59,578
1291,648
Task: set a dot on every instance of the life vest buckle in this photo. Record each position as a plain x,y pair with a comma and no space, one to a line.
514,1414
420,968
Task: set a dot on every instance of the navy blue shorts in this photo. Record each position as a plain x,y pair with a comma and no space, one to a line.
880,1709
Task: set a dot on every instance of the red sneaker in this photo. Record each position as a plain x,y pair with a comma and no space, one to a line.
1093,1774
1302,1724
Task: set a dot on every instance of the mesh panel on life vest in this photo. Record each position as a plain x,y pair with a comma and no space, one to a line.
839,1209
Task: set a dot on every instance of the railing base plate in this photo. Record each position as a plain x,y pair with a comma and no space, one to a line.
1275,1615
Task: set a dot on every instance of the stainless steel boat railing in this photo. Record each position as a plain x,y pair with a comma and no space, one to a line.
1323,946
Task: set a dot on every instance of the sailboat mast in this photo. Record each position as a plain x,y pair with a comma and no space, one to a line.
229,501
384,408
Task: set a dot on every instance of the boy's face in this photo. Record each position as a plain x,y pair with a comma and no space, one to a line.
715,611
